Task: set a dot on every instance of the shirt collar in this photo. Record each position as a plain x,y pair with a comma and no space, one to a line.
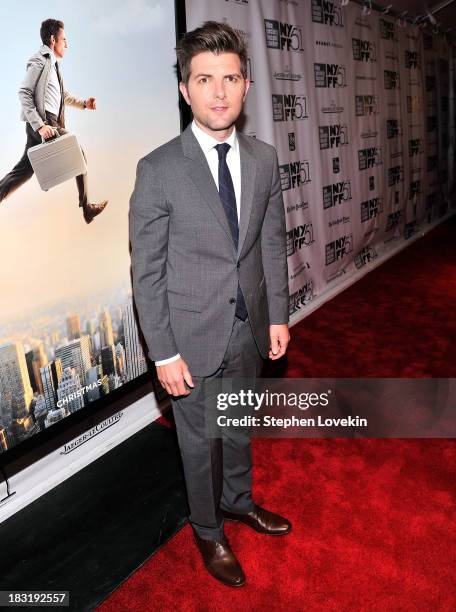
48,51
208,142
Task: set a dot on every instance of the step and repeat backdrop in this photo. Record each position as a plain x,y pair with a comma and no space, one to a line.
68,333
360,106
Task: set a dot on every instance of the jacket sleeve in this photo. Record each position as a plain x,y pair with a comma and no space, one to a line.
149,220
71,100
274,251
27,92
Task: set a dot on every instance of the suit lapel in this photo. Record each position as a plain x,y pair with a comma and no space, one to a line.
248,176
198,170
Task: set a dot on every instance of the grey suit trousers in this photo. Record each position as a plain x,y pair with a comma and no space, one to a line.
218,471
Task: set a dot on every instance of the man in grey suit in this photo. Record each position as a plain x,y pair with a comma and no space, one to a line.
43,99
210,280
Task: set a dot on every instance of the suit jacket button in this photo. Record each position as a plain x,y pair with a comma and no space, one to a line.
232,300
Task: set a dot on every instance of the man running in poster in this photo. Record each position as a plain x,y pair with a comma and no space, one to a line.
43,99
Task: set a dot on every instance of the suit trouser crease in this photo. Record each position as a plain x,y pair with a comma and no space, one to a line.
218,471
23,170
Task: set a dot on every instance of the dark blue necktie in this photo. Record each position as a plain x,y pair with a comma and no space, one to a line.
61,115
228,198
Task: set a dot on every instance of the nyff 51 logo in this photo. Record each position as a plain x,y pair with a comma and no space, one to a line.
393,128
337,249
393,219
301,297
410,229
415,147
387,30
365,256
366,105
369,158
337,193
371,208
412,59
299,237
364,50
414,189
395,175
281,35
392,80
327,13
333,136
289,107
330,75
294,174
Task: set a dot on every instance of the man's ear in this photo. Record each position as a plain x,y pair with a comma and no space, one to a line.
184,91
247,85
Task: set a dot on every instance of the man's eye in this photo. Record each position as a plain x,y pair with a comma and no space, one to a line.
233,79
203,80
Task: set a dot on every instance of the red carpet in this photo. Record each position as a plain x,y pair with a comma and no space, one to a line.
374,520
398,321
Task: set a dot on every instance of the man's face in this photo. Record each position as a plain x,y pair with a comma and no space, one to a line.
59,44
216,91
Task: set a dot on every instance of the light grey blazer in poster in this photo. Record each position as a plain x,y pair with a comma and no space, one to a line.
33,89
185,267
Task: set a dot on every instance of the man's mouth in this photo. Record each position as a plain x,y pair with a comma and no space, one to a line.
219,109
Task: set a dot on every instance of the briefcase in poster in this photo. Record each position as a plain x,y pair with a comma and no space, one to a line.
57,160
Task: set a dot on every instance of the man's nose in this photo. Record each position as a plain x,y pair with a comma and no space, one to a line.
220,90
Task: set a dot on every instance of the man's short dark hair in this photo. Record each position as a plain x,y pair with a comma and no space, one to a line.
49,28
211,36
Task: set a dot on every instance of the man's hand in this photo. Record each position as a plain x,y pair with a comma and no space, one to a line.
279,337
91,103
46,131
172,377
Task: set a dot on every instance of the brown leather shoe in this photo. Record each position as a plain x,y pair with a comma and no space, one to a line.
262,521
92,210
220,561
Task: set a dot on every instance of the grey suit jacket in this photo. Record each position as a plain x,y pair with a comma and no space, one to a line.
33,89
185,267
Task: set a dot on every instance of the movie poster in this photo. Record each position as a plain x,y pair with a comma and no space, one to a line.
68,334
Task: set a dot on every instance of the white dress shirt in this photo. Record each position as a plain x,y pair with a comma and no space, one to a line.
52,95
233,160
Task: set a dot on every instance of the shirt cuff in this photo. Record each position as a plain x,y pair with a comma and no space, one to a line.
169,360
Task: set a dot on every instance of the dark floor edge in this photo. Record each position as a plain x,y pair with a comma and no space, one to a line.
179,528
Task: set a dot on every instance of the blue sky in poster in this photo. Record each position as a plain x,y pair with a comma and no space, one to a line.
121,52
